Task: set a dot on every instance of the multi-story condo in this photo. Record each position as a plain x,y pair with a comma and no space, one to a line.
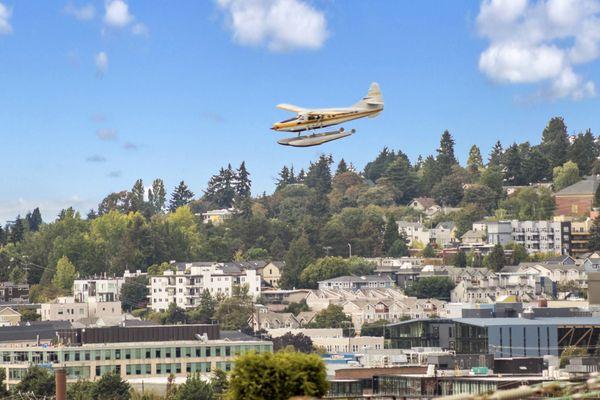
11,292
185,283
134,353
535,236
417,233
102,289
357,282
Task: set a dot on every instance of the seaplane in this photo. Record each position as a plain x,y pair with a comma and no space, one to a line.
308,119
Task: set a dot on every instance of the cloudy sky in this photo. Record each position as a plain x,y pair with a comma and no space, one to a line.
95,94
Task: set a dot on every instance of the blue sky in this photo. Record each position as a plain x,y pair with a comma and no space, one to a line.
94,95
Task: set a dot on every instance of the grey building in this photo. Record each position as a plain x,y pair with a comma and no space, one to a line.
357,282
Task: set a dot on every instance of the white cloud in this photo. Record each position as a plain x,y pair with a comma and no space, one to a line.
106,134
541,41
50,208
117,14
101,60
5,14
84,13
139,29
279,24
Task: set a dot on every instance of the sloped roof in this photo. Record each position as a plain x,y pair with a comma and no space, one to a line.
587,186
424,201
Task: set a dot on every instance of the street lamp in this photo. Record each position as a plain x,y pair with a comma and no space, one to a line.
327,248
349,250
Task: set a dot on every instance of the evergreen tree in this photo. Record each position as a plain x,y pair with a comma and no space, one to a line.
495,158
401,179
65,274
584,152
157,196
34,220
136,196
555,142
17,230
375,169
535,166
511,163
594,243
319,175
495,260
391,234
430,175
2,236
460,259
445,158
597,197
474,162
243,183
221,190
285,178
181,196
342,167
297,258
301,176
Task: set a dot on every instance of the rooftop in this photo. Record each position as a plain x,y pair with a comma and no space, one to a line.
587,186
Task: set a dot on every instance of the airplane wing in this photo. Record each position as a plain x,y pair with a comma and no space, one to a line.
291,107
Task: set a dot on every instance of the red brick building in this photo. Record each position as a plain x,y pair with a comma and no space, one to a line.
576,200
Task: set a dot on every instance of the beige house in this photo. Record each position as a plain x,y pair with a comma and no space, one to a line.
9,317
271,273
67,309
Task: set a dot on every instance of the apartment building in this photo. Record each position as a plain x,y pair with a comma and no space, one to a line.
132,352
535,236
90,311
101,289
185,283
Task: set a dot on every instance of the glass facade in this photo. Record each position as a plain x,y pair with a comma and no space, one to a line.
471,339
420,333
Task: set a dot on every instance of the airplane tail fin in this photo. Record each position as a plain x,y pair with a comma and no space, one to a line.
373,99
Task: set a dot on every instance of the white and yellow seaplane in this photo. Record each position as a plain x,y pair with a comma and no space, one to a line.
310,119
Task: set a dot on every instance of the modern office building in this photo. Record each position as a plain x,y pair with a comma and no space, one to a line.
502,337
132,352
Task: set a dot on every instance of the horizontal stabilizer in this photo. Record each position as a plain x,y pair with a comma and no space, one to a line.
290,107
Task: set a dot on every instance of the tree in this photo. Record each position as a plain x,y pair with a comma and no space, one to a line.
333,267
3,391
174,315
428,251
194,388
495,159
448,192
401,180
65,274
496,259
512,165
597,197
434,287
37,380
81,390
256,253
286,177
296,308
376,328
399,248
331,317
297,258
391,234
530,204
474,162
134,293
277,376
584,152
234,312
375,169
535,166
482,197
219,383
341,168
111,387
203,314
565,175
34,220
243,184
157,196
555,142
570,352
460,259
181,196
445,157
17,230
136,196
594,242
298,342
319,175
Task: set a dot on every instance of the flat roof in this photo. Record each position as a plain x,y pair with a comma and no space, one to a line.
510,321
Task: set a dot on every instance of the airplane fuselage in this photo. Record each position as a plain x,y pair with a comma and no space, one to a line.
317,119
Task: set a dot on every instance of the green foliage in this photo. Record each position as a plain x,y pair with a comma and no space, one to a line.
298,257
180,197
65,274
28,314
584,152
297,342
37,380
3,391
460,259
331,317
277,376
519,253
555,142
80,390
597,198
495,260
219,383
111,387
376,328
428,251
234,312
203,314
570,352
333,267
474,162
296,308
565,175
530,204
594,242
399,248
134,293
256,253
434,287
194,388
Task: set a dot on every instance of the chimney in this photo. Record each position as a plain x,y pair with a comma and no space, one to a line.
60,377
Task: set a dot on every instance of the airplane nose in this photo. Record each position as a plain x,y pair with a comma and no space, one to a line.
276,126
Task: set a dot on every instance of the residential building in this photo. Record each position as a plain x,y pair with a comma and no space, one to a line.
263,319
89,312
319,300
11,292
473,237
592,262
185,283
577,199
217,217
535,236
271,273
580,236
441,235
357,282
425,205
135,353
100,289
9,317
